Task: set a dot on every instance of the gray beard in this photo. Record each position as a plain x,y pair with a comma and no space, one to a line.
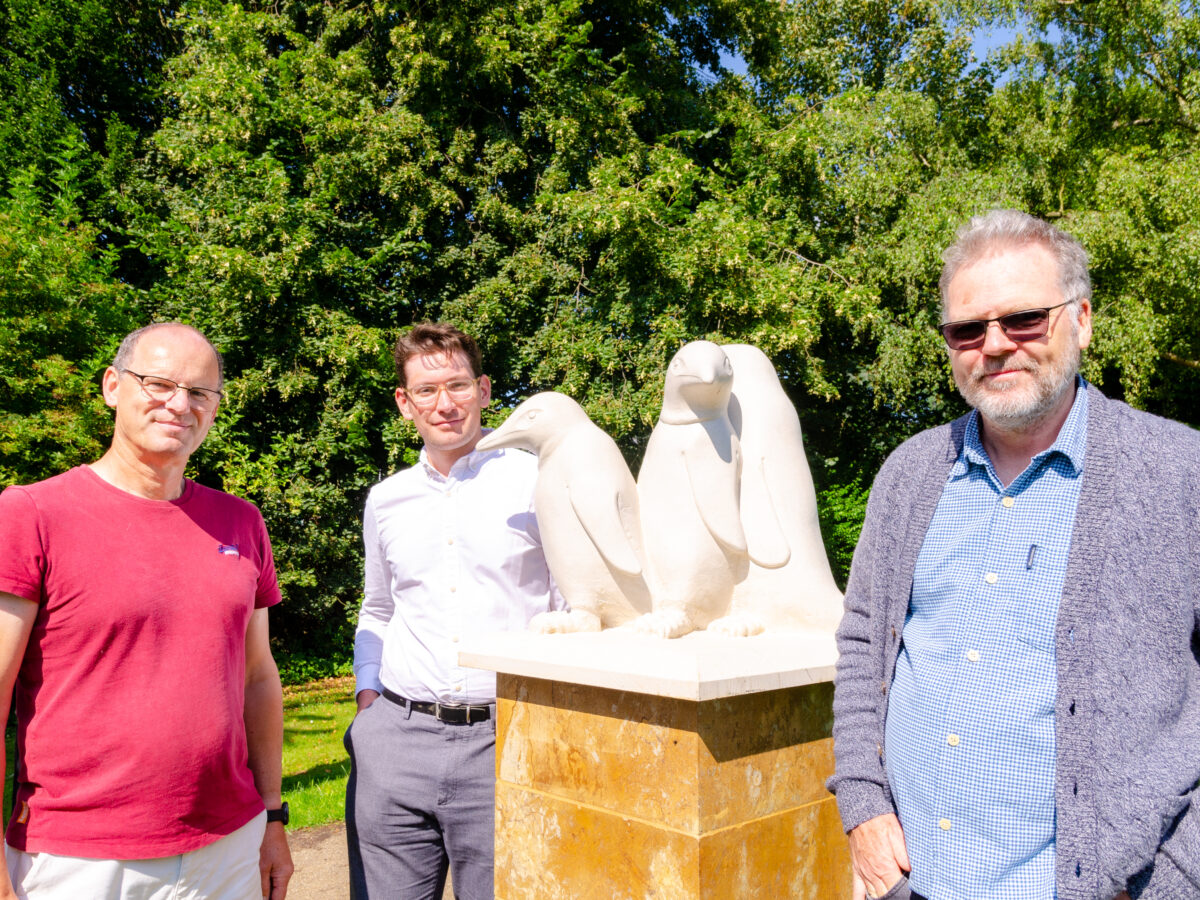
1022,408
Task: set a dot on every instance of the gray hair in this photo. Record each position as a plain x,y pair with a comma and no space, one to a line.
125,351
1010,229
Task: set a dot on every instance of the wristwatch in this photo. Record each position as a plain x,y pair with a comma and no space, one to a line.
278,815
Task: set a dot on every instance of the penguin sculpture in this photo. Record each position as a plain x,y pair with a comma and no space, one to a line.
789,584
688,490
587,509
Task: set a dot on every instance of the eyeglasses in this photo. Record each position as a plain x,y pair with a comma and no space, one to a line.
1024,325
161,390
426,395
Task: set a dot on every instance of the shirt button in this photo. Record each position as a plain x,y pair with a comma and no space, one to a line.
453,588
1008,502
952,740
991,577
458,687
944,824
973,655
449,540
454,638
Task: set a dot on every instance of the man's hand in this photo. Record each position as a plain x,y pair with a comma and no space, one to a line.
878,855
365,698
275,862
1124,895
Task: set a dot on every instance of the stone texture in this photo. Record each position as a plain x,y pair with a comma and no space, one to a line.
606,793
554,849
800,854
698,666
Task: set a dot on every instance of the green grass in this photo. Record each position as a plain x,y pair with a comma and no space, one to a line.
315,764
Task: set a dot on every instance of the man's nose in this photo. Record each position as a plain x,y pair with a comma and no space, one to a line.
996,342
178,402
444,401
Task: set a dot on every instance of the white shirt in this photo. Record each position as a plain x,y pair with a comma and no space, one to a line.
448,557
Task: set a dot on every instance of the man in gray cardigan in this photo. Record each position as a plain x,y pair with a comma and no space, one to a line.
1017,707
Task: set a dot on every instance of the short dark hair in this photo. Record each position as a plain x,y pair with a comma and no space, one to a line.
1010,229
129,344
439,338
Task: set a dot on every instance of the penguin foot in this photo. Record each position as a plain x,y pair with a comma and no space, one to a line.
564,622
737,625
663,623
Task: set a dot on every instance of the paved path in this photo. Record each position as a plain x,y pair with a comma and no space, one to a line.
320,857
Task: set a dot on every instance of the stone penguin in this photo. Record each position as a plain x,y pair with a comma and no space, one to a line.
789,583
587,509
688,489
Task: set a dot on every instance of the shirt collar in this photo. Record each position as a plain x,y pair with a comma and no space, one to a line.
463,467
1071,442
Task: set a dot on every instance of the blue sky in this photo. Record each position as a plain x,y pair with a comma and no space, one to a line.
986,40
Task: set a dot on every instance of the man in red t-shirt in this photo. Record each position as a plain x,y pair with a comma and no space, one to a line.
133,626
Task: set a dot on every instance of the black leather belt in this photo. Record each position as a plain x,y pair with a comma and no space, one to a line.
450,713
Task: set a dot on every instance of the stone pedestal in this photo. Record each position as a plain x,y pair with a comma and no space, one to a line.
631,767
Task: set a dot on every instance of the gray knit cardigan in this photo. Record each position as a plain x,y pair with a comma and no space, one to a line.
1127,643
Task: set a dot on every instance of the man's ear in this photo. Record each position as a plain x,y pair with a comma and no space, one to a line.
109,382
1085,323
485,390
402,404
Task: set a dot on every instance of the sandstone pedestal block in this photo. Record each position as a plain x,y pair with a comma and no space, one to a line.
631,767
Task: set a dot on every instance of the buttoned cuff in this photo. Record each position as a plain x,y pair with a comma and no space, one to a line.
366,678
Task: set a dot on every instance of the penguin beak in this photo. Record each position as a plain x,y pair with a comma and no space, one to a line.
493,440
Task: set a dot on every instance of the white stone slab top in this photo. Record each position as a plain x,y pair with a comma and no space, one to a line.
697,666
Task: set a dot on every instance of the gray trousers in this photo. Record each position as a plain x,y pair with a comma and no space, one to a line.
420,801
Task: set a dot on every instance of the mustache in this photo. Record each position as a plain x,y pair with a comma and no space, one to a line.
991,367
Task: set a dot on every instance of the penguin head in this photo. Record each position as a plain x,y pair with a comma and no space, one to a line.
537,424
698,382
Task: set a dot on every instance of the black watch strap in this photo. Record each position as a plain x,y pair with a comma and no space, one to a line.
278,815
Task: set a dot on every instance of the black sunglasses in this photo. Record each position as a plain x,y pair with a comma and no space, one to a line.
1024,325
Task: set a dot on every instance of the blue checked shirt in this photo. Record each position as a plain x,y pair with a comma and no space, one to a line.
970,721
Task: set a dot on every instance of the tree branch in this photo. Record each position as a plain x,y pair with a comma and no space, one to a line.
1190,363
809,263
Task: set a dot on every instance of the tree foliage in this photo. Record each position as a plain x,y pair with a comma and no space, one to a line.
584,185
60,310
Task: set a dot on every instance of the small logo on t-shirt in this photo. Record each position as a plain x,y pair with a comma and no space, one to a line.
229,550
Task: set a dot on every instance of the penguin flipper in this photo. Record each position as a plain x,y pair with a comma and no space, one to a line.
765,539
717,503
599,511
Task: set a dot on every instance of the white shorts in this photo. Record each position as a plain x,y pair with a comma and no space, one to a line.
226,869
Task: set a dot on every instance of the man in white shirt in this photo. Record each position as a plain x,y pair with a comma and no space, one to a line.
452,548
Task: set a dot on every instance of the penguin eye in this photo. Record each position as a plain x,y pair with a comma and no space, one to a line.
533,414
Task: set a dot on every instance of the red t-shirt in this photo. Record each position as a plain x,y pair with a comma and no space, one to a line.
129,699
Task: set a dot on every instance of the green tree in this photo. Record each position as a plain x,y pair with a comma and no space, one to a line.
580,184
61,316
331,174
